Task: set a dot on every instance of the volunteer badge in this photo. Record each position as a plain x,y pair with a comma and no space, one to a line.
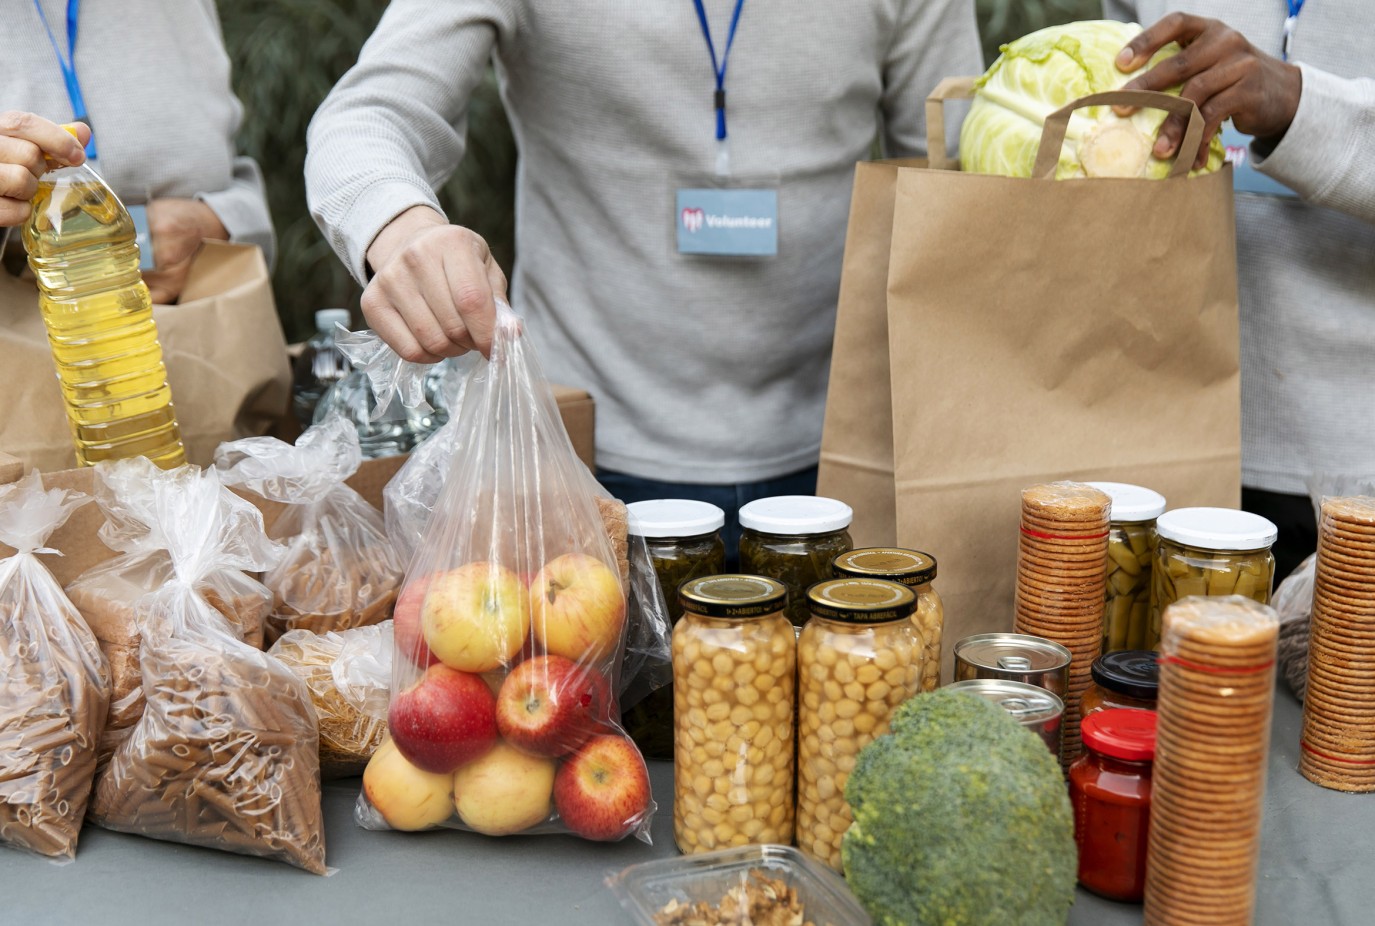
741,223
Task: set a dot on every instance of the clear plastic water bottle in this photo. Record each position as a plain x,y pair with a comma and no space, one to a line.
320,365
397,430
82,250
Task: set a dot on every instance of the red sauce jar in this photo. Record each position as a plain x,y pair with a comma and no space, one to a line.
1110,788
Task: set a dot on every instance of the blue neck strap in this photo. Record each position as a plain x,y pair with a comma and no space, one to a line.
719,69
68,65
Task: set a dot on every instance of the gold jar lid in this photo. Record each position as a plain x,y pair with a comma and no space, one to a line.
732,595
861,601
908,567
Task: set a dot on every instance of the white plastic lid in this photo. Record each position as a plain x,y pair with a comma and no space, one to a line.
795,515
1132,503
1217,529
673,517
325,319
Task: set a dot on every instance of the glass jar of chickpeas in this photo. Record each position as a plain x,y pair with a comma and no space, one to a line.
916,570
858,658
1209,551
1131,535
734,668
794,539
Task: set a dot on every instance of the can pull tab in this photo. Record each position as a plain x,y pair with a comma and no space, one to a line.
1014,663
1024,707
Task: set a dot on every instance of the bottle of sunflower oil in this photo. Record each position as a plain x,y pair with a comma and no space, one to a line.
81,247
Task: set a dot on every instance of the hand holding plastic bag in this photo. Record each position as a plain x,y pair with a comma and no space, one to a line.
339,570
53,683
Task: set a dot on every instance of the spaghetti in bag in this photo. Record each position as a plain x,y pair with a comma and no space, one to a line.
53,682
510,635
339,571
225,752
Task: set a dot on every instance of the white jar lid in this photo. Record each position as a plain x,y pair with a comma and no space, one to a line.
673,517
1132,503
326,319
1217,529
796,515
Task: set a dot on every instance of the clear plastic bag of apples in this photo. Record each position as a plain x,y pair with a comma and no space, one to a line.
509,635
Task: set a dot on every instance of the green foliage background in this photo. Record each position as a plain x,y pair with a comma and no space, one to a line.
288,53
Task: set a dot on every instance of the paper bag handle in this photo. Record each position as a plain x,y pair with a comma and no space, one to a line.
1053,132
951,88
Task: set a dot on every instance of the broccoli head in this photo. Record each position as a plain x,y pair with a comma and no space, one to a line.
961,818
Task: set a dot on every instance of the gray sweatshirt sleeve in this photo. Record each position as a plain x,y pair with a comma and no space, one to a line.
1325,156
392,130
242,208
935,40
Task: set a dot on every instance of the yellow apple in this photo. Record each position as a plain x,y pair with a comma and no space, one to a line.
505,791
406,797
476,617
578,608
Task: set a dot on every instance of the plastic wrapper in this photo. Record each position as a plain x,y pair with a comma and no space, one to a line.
1293,601
53,682
225,753
339,571
348,673
108,595
510,635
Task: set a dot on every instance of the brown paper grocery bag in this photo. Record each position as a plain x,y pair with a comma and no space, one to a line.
222,344
995,332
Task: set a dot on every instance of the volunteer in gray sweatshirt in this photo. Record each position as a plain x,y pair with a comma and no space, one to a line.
1300,78
700,321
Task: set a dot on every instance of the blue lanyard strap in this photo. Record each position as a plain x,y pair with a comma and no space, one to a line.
1290,21
68,64
719,69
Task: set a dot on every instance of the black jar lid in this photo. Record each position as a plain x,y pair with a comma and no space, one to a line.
1133,672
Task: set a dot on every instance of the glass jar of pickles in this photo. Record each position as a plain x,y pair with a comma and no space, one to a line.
916,570
684,542
794,539
734,663
1209,551
1131,537
859,657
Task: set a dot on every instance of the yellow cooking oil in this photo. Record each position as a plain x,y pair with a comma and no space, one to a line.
82,249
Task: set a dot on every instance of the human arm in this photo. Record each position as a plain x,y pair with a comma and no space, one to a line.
935,40
27,142
389,133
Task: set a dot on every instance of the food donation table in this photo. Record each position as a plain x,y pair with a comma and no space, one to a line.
1317,866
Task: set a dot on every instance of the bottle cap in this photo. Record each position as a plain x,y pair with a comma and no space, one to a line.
1217,529
673,517
1133,672
1121,732
325,319
1131,504
796,515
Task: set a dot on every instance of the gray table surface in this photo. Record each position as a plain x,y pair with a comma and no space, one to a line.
1317,867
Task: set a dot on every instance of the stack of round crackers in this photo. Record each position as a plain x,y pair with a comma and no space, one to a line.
1062,582
1338,747
1217,679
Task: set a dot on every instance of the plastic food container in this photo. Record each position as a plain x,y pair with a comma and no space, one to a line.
859,657
1210,552
1131,538
916,570
684,542
734,663
794,539
1128,678
644,889
1034,708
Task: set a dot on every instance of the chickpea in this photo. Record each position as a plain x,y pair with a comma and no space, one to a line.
733,697
930,619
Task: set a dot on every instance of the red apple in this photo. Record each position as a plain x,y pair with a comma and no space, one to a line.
578,608
408,798
550,705
602,791
410,642
445,719
476,617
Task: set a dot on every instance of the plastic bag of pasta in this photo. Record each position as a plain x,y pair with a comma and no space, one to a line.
53,682
109,593
348,673
339,570
225,754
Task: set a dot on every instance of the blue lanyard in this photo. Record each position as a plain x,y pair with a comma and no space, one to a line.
68,65
718,69
1290,21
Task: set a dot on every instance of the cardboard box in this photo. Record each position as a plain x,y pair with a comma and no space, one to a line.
81,547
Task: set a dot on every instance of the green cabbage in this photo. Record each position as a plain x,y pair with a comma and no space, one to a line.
1041,72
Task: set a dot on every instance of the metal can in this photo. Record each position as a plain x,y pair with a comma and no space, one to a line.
1017,657
1034,708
